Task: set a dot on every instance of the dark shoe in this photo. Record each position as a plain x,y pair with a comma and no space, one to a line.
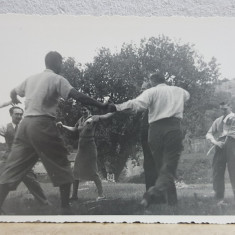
100,198
46,203
153,196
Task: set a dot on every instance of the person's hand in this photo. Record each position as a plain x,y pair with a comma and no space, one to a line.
220,144
88,121
59,125
95,118
15,101
111,107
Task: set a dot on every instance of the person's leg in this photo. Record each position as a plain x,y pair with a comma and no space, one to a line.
30,181
172,150
65,193
98,184
230,155
19,162
155,141
75,190
149,164
165,133
64,196
218,167
50,149
4,190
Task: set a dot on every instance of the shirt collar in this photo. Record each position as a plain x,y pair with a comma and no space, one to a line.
161,84
13,124
49,70
228,116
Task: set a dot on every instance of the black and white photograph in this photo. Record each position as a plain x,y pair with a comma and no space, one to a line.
117,119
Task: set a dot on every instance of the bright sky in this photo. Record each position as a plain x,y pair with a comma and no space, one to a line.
25,40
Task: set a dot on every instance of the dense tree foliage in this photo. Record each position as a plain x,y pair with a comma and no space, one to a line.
120,76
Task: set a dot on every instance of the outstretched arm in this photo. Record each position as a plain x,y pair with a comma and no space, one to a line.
96,118
105,116
4,104
69,128
84,99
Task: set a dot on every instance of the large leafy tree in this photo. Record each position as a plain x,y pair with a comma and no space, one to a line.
120,75
183,67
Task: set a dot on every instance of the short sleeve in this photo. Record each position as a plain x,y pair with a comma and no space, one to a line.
20,90
63,87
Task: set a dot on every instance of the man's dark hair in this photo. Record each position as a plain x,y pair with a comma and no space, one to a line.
52,58
158,77
11,110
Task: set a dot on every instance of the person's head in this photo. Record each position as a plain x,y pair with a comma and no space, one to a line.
85,111
157,78
225,108
145,85
53,61
16,114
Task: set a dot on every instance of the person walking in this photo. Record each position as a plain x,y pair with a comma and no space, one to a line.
165,105
37,135
8,131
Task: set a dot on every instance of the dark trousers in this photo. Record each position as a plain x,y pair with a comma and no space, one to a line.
149,164
37,137
165,140
224,156
30,181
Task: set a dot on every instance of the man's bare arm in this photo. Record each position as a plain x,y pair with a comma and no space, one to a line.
84,99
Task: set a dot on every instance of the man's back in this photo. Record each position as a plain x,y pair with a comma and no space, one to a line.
42,92
166,101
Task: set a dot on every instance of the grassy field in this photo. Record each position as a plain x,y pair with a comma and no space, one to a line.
194,188
122,199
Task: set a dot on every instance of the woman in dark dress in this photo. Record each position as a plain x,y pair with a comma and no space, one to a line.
85,166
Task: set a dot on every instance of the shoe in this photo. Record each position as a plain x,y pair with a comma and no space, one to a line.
222,203
100,198
46,203
153,196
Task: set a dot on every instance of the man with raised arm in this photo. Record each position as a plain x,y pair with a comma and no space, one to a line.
37,135
165,105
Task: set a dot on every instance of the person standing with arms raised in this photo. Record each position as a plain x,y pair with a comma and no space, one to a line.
37,135
165,105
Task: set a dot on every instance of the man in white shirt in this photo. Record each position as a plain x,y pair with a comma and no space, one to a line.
222,135
8,131
165,105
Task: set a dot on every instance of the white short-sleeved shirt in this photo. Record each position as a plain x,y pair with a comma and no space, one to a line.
42,92
162,101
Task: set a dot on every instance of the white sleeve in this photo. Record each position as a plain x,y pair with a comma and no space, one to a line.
140,103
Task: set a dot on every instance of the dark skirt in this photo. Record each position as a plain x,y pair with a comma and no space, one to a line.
85,166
